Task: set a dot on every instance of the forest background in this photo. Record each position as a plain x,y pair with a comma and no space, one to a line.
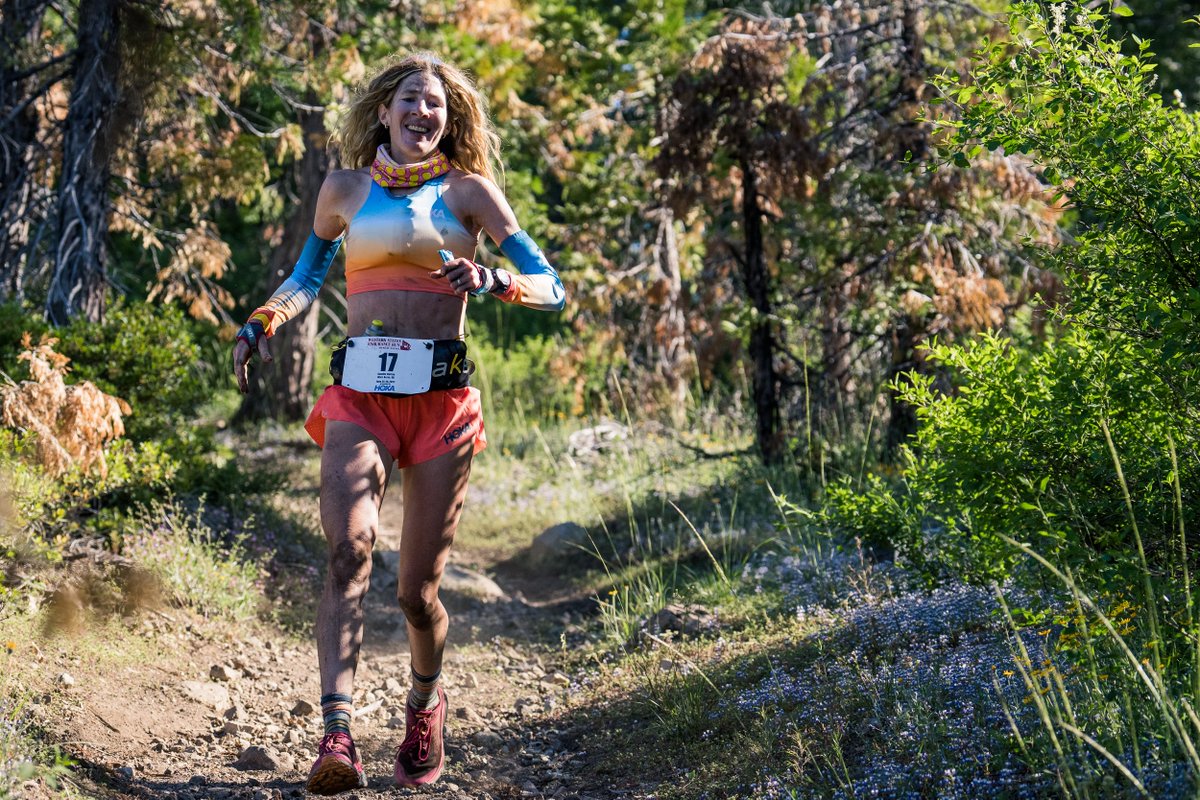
931,265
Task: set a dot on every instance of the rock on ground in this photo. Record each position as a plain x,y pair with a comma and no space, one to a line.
471,583
213,695
558,540
456,579
255,757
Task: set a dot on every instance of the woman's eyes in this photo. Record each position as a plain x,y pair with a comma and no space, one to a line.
412,99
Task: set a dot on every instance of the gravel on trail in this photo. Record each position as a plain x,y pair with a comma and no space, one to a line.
224,718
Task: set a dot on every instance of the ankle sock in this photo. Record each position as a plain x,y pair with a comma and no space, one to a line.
423,694
337,709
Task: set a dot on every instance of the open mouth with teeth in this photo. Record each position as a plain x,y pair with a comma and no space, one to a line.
417,129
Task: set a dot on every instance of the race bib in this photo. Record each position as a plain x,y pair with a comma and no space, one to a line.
388,364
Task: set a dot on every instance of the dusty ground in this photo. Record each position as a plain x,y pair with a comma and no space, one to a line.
213,713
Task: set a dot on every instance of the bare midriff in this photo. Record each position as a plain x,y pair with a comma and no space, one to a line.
413,315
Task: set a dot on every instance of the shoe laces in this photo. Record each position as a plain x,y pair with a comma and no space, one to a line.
419,735
340,743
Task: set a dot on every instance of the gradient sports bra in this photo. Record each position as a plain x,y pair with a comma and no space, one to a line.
392,242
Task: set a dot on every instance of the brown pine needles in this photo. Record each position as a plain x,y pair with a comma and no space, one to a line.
70,423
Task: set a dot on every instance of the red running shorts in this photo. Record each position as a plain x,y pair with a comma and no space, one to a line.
414,429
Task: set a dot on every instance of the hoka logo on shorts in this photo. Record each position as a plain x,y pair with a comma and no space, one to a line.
457,433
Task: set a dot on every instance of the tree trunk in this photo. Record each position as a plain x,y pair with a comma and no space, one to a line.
762,341
902,418
836,342
20,31
80,280
670,324
282,389
913,134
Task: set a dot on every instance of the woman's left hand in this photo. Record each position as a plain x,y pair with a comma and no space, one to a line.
462,273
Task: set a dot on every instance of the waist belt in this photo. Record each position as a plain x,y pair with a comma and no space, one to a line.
385,365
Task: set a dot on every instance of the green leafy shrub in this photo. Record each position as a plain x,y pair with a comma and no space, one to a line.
148,356
872,513
15,322
1020,450
41,510
155,359
1072,464
518,382
1061,91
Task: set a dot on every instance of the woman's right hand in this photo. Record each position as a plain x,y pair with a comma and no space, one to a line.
242,352
463,275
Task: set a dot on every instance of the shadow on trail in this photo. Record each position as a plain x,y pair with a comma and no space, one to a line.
734,514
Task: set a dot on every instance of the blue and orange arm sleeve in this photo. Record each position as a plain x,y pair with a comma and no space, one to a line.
298,291
537,286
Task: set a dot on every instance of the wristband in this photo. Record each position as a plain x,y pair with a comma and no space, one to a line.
487,280
250,332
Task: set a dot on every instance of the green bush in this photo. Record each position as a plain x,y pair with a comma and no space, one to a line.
43,509
1061,91
167,367
1071,466
148,356
145,354
15,322
517,380
872,513
1020,450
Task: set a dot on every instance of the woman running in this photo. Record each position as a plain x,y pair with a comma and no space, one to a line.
409,209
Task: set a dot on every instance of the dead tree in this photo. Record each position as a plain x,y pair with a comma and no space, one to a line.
79,282
24,81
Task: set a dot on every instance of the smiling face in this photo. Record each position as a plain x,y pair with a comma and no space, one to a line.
415,118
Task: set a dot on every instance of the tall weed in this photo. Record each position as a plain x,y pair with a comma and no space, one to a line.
199,570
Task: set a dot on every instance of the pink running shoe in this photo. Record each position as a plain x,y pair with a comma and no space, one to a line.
337,768
420,757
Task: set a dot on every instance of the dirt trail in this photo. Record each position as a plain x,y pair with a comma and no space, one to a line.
176,727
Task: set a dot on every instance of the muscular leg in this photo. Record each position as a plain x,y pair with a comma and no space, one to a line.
433,500
354,474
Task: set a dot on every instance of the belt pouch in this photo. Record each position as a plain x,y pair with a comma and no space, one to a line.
451,368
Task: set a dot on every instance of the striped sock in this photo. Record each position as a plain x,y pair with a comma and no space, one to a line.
336,709
423,693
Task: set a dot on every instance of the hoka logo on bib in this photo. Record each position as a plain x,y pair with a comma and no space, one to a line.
457,433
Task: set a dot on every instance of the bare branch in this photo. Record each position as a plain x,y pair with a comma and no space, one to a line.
291,101
44,87
240,118
20,76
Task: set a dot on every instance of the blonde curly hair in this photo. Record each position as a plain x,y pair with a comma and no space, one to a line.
470,140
